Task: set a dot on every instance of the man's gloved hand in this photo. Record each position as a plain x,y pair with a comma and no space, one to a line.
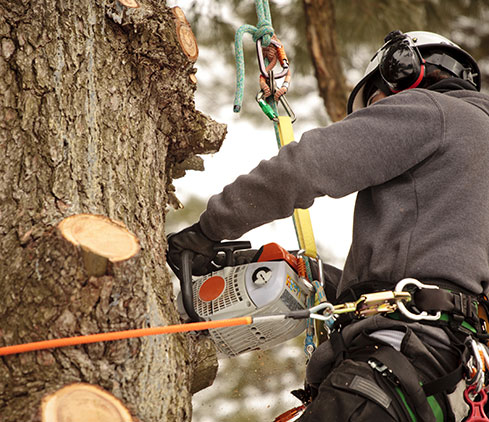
194,240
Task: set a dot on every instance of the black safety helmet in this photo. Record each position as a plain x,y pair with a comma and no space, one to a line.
401,64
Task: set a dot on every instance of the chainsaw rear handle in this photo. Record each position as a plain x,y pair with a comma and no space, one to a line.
186,273
186,286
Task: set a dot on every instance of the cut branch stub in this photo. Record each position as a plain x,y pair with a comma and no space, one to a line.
100,239
185,35
129,3
82,402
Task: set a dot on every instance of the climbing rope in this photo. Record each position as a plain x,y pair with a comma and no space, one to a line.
262,31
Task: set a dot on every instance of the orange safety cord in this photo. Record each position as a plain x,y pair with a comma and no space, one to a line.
120,335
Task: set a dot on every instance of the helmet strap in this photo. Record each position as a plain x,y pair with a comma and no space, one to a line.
449,64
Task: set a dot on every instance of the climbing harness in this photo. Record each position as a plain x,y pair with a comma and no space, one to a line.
411,300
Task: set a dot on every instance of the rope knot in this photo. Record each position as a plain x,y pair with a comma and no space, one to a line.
264,31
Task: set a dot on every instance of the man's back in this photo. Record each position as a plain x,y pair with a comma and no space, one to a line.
432,221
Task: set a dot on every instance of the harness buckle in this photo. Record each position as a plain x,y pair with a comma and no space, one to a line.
380,302
373,303
383,370
402,307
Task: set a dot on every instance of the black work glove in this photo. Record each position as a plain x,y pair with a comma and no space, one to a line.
191,239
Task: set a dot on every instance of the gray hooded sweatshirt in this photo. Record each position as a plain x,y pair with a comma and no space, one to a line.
420,163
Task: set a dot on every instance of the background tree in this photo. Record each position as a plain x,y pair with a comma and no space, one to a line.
96,108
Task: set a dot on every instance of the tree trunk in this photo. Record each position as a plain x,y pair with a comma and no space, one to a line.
321,37
96,109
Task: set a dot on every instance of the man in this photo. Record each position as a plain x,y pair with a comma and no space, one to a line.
415,146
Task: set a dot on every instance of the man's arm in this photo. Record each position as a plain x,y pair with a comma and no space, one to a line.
368,148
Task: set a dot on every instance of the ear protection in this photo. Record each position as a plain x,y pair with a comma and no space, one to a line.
401,64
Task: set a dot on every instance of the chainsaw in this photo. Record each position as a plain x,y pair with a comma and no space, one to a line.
268,285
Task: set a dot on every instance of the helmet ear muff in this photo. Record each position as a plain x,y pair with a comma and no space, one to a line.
401,64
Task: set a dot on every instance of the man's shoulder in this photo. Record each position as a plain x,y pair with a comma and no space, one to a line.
455,100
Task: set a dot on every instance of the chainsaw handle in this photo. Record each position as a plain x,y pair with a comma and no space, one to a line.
229,247
186,286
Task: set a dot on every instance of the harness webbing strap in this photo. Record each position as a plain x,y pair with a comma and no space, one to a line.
447,301
406,374
302,218
445,383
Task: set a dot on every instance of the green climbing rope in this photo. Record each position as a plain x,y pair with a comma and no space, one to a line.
263,30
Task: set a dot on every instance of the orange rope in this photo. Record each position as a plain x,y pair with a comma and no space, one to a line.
301,267
119,335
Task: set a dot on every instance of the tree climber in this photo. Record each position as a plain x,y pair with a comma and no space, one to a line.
415,147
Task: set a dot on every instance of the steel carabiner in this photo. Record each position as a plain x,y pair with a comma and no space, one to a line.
266,108
402,307
261,61
282,100
479,356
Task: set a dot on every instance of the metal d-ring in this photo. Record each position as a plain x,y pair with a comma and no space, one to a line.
402,307
326,307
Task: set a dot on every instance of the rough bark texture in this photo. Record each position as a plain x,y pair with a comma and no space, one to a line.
321,37
96,108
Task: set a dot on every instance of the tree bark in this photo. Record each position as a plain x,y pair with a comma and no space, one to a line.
96,109
321,37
